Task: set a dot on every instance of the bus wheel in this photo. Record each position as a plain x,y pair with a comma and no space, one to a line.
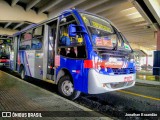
22,73
66,89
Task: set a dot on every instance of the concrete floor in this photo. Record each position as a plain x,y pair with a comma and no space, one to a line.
140,98
17,95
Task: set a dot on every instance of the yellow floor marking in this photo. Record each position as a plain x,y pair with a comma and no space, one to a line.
144,96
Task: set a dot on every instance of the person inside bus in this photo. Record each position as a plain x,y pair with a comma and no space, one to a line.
63,51
72,53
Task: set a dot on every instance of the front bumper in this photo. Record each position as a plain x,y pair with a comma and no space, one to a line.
101,83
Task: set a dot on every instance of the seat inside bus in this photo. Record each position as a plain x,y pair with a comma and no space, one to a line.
71,53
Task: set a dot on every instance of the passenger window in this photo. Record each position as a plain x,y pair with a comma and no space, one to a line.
27,36
25,40
70,46
37,41
38,32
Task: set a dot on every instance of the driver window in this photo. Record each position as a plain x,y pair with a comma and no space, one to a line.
70,46
123,43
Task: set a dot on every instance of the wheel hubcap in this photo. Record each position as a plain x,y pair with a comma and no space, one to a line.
67,88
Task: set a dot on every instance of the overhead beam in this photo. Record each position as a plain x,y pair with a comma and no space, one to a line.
32,4
66,6
7,31
145,16
142,34
137,32
116,17
14,2
8,24
120,17
132,24
18,25
139,38
116,10
140,47
154,7
125,20
49,5
90,4
134,29
5,36
19,14
106,6
141,42
131,27
125,23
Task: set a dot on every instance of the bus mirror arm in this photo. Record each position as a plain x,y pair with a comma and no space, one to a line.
74,29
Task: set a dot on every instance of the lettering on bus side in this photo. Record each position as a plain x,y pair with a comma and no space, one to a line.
104,64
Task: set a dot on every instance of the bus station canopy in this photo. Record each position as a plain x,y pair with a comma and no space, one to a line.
138,20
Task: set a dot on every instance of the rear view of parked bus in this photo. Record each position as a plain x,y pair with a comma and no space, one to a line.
5,48
78,51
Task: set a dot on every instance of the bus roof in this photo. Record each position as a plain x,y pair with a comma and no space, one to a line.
65,11
26,28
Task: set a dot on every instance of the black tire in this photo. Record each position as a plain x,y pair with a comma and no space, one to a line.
66,89
22,73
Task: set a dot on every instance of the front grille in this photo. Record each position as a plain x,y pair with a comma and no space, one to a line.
117,85
120,84
118,71
129,83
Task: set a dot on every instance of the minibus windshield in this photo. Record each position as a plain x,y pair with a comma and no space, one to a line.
102,33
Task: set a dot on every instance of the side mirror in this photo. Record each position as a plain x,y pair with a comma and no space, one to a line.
72,30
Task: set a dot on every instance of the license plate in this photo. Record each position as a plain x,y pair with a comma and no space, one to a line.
128,78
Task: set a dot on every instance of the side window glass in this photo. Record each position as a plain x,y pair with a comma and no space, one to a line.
25,40
37,41
70,46
37,32
27,36
120,42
